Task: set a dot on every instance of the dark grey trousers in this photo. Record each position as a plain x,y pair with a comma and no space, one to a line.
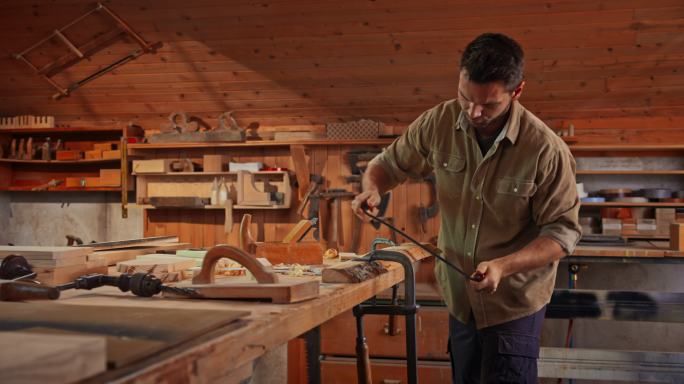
504,353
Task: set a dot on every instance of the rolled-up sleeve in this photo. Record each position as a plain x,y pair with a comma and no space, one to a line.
555,205
407,156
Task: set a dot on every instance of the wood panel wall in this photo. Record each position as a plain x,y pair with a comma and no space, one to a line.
205,228
614,69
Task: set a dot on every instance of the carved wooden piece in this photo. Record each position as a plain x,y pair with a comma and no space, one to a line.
248,194
206,275
301,169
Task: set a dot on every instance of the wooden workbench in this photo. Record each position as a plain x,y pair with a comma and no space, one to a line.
633,249
226,354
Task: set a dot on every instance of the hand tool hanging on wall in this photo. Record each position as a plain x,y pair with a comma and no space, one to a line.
85,51
426,213
333,224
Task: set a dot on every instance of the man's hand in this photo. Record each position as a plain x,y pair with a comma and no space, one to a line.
371,197
492,272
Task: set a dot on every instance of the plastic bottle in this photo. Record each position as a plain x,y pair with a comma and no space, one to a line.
223,192
215,192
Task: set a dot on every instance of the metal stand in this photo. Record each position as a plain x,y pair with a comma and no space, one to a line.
407,309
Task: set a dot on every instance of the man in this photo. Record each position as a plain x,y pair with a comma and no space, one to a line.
506,186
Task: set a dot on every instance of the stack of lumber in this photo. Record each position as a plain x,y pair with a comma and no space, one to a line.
57,265
168,268
114,252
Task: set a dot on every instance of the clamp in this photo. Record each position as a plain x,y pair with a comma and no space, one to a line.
408,309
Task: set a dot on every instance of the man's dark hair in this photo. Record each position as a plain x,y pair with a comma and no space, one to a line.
494,57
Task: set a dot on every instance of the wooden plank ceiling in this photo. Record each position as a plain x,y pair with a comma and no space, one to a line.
612,68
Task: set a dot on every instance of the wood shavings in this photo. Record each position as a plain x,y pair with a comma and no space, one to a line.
330,253
296,270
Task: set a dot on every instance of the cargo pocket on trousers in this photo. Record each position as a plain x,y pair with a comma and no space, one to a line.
511,358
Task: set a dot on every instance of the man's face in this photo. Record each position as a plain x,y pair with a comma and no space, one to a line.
483,103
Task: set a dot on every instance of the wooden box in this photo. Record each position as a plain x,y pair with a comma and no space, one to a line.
69,155
95,154
73,182
114,154
110,177
215,163
103,146
152,166
92,181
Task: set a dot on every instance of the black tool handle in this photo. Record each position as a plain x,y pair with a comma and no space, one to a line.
21,291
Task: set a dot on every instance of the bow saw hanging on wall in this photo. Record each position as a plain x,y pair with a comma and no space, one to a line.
78,53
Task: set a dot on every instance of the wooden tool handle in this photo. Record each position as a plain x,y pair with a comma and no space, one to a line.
246,239
363,365
22,291
206,275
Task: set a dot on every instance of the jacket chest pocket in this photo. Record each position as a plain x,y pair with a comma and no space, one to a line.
511,201
450,174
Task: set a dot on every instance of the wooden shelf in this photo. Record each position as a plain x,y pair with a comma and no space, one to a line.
618,204
627,147
29,188
61,130
209,173
255,207
646,237
628,172
259,143
60,162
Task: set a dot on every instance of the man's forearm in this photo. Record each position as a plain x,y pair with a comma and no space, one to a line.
540,252
376,178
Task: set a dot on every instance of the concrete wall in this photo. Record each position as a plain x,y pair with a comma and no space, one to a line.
45,218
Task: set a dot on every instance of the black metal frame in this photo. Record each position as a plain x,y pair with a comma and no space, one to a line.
408,309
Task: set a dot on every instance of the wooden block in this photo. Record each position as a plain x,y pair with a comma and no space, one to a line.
352,272
288,290
33,358
103,146
155,264
151,166
305,252
677,236
92,181
248,194
178,201
73,182
358,271
215,163
44,253
110,177
111,257
95,154
61,262
69,155
114,154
